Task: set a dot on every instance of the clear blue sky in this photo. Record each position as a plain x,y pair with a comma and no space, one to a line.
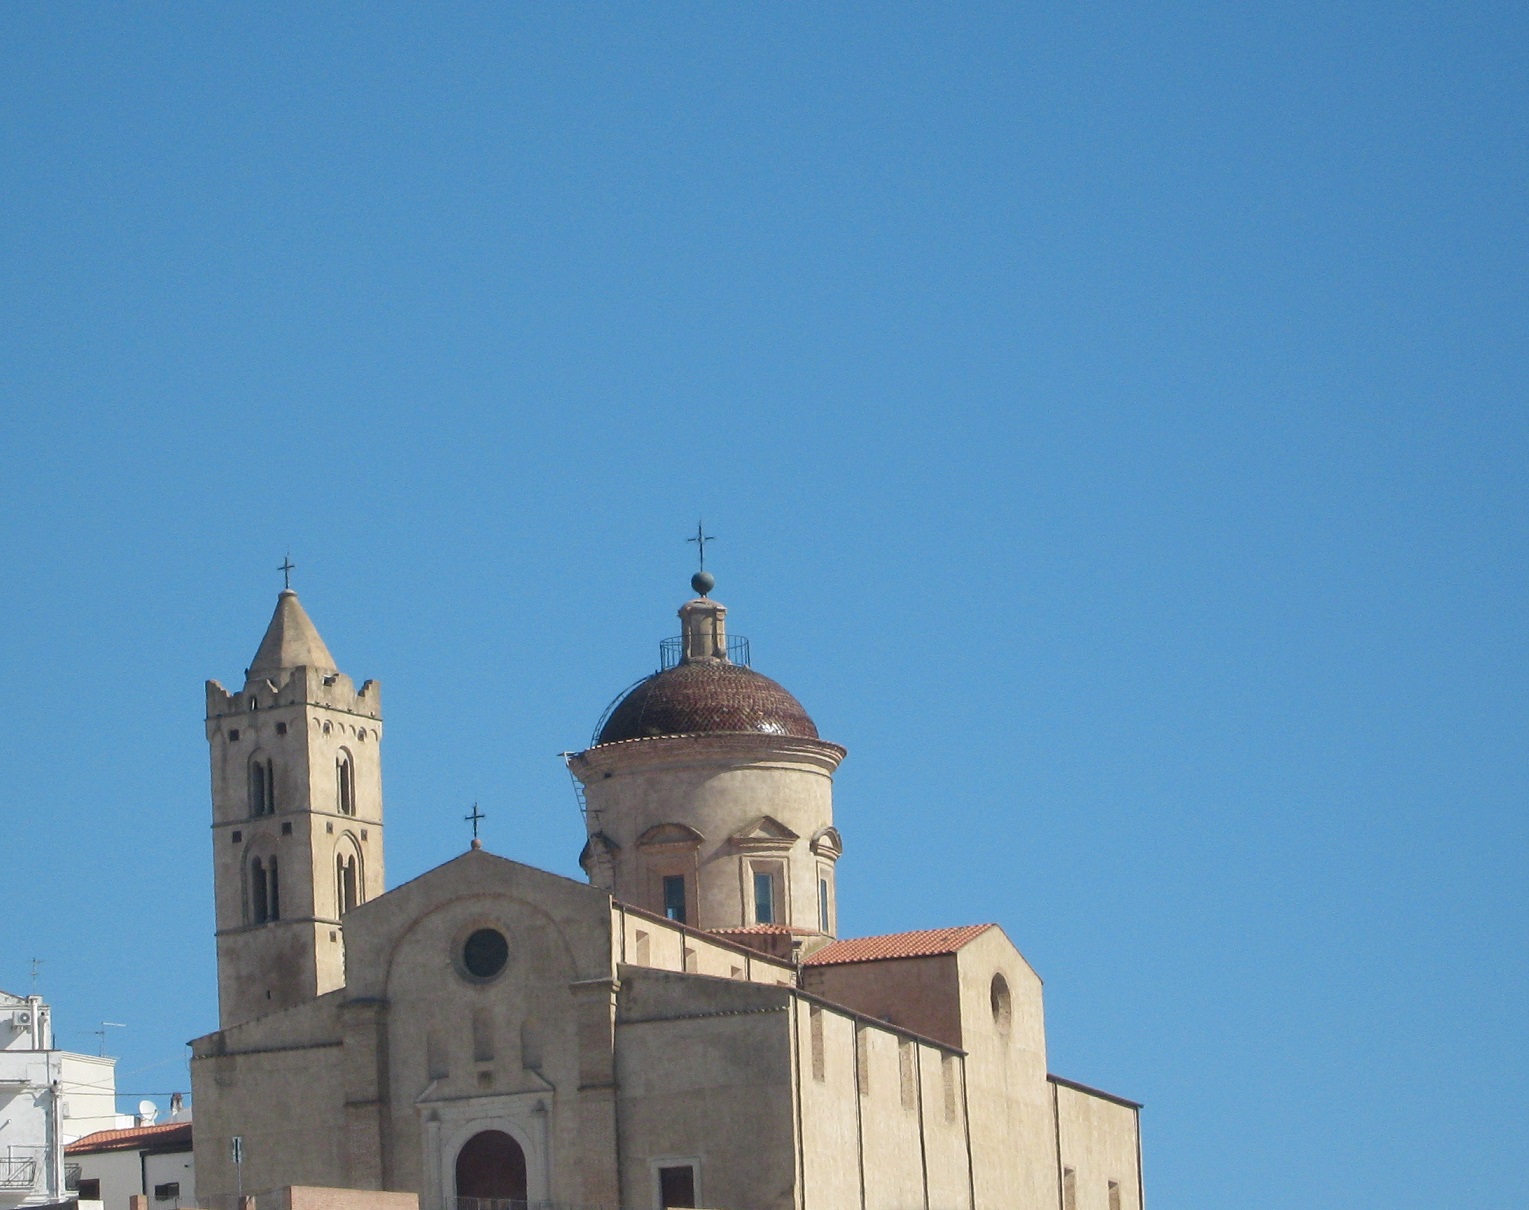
1112,419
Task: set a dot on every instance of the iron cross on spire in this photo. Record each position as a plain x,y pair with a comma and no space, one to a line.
287,567
474,818
701,539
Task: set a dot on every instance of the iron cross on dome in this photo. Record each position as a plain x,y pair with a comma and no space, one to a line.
701,539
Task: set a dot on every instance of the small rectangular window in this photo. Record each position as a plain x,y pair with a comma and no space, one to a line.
168,1192
823,906
1114,1195
237,836
815,1024
233,735
676,1186
863,1061
90,1190
674,897
764,898
281,728
644,948
72,1177
1069,1189
948,1080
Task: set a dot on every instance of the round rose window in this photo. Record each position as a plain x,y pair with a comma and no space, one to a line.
485,953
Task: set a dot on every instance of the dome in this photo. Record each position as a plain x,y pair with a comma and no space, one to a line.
705,697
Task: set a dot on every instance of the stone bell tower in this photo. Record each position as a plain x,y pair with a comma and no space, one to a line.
296,818
709,793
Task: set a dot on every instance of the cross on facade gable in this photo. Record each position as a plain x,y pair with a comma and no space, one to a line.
286,569
474,818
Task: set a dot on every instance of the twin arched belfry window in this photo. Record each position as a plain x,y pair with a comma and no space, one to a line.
346,895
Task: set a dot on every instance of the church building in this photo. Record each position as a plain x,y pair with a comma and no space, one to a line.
688,1027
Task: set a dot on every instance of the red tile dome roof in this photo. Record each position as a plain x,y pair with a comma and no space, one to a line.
706,696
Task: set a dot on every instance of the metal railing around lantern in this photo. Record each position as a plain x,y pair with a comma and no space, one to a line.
672,651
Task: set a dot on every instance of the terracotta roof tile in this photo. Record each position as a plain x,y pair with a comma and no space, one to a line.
162,1134
924,943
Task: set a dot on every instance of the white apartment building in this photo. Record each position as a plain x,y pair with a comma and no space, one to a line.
48,1098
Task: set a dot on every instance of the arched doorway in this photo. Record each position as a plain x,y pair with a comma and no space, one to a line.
491,1173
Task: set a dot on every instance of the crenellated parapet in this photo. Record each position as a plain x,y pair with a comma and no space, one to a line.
296,687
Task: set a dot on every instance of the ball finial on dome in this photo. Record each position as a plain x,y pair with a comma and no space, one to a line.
703,582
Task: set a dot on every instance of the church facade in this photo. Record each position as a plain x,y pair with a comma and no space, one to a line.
688,1027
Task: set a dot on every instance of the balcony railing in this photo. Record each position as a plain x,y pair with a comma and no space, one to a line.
18,1173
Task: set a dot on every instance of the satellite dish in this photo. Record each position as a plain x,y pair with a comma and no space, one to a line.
147,1112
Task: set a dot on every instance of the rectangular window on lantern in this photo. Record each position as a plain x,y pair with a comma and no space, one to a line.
764,897
674,897
824,919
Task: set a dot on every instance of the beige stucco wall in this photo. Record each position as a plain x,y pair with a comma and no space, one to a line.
873,1119
651,941
584,1057
528,1052
308,1197
1008,1095
705,1074
276,1082
719,786
946,1133
830,1111
379,1085
1099,1141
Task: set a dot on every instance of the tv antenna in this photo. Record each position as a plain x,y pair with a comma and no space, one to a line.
101,1033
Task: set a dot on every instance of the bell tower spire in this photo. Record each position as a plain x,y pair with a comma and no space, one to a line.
296,817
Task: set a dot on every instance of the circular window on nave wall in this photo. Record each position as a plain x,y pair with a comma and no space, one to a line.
484,953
